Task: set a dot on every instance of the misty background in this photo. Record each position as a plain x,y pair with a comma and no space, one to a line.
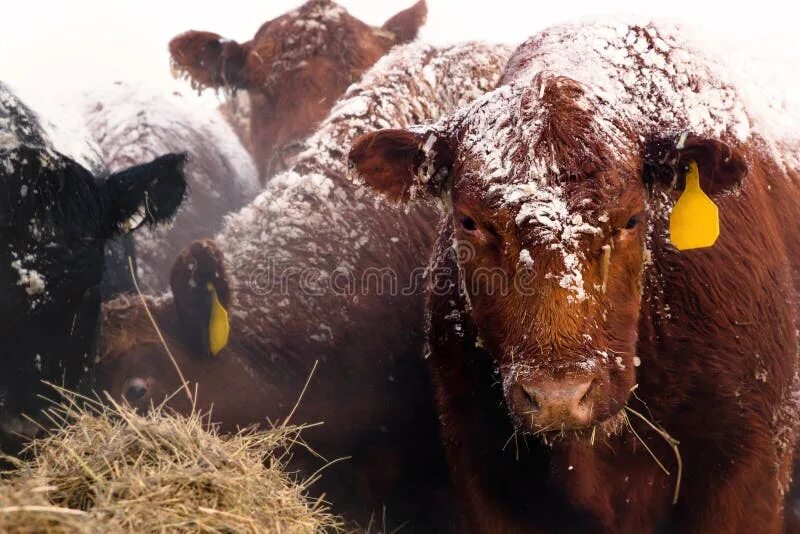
56,47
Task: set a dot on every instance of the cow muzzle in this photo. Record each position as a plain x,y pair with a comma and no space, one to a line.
547,404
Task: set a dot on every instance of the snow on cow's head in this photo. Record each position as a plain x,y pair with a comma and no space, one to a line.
547,190
294,68
55,219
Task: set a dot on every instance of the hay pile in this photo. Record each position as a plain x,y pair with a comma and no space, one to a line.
107,469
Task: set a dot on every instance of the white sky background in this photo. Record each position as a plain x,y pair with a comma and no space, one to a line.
54,47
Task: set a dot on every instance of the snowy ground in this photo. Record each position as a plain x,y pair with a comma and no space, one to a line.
56,47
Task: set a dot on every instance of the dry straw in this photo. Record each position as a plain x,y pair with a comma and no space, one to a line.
106,468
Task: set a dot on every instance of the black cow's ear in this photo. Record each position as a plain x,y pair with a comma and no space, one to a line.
722,167
144,194
202,292
401,164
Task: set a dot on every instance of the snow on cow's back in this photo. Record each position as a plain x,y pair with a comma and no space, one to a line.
54,135
314,217
51,128
655,74
765,78
413,84
665,74
133,125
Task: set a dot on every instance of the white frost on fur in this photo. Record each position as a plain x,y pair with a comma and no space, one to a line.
69,137
525,258
30,279
314,218
638,76
134,125
355,107
60,130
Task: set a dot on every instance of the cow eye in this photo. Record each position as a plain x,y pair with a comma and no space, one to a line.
468,224
632,222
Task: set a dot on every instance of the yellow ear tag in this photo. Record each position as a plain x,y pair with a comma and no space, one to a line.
694,221
218,326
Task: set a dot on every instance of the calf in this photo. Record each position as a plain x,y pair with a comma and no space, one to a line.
132,125
56,217
318,277
589,375
293,69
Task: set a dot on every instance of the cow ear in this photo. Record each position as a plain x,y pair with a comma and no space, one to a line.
405,25
208,59
144,194
202,292
722,167
401,164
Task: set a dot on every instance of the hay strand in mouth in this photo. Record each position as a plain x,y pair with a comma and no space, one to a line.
644,444
672,442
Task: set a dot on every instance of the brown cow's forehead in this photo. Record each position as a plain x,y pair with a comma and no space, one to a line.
513,153
317,28
559,144
558,201
614,82
315,17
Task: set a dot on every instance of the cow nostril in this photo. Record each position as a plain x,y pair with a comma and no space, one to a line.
135,390
586,398
530,397
553,403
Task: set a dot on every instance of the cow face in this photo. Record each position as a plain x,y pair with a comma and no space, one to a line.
55,219
547,191
294,69
134,365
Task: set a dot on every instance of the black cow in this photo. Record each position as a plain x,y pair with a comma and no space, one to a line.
56,217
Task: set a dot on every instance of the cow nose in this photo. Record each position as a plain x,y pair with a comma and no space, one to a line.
556,404
135,389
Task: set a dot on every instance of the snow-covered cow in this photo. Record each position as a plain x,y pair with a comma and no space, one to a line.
57,212
293,70
665,382
318,273
132,125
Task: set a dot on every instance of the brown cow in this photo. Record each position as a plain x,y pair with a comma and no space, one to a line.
560,391
131,124
319,275
293,70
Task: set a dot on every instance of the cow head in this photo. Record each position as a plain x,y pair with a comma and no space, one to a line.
546,188
55,219
134,365
294,69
